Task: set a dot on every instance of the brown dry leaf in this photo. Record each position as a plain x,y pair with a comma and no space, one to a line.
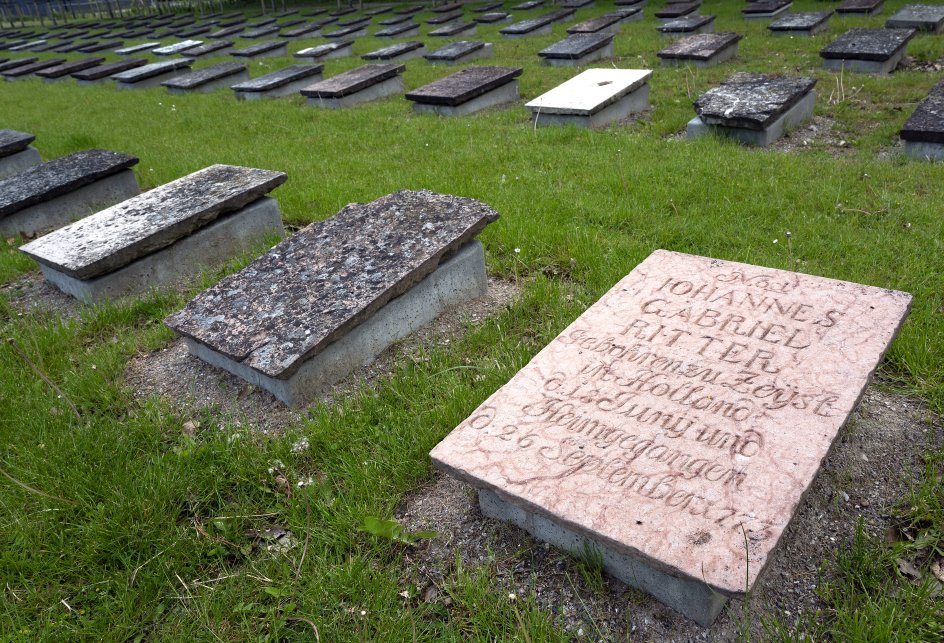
283,485
244,391
190,427
937,568
907,568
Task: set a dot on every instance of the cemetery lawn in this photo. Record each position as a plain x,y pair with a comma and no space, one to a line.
130,518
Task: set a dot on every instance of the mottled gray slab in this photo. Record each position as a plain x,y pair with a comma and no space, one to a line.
765,7
396,30
490,18
109,69
17,62
59,176
800,21
454,50
195,79
261,22
860,6
699,46
595,24
65,69
100,46
194,31
409,11
226,33
359,21
527,6
260,32
868,44
533,24
145,72
353,81
112,238
453,29
209,48
926,124
177,47
69,47
323,51
445,18
32,68
27,45
345,31
386,53
447,8
395,20
146,46
751,101
260,48
279,78
924,17
313,288
576,46
303,30
12,141
687,24
677,10
485,8
464,85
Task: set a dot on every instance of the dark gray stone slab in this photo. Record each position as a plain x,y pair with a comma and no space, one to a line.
445,18
447,8
595,24
924,17
26,70
177,47
396,30
485,8
576,46
345,32
868,44
312,289
464,85
699,46
533,24
677,10
261,32
453,29
688,24
321,51
395,20
751,101
276,79
386,53
260,48
359,21
291,23
59,176
66,69
454,51
261,22
145,72
409,11
343,12
314,12
209,48
860,6
765,7
195,79
528,6
101,46
377,11
491,18
109,69
353,81
304,30
194,31
112,238
800,21
12,141
71,46
577,4
226,33
134,49
17,62
926,124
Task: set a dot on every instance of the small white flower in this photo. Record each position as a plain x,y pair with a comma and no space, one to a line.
300,446
363,612
512,597
517,251
775,240
788,234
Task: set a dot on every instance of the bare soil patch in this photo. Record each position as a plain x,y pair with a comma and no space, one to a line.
32,294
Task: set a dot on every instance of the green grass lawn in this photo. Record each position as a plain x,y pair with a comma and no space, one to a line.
118,525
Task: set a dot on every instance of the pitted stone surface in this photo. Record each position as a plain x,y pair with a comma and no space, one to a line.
868,44
386,53
684,25
751,101
526,6
146,46
202,76
116,236
576,45
279,78
924,17
353,81
802,21
396,30
209,48
261,48
12,141
677,9
765,6
59,176
859,6
489,18
700,46
445,18
447,8
455,50
464,85
590,91
69,68
527,26
314,287
177,47
323,50
32,68
150,71
452,29
595,24
926,124
688,368
109,69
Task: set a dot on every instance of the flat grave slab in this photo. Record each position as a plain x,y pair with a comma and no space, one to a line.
343,12
874,51
27,45
260,32
226,33
449,7
270,49
305,31
578,49
923,132
329,299
162,235
261,22
528,5
358,21
398,52
593,98
211,49
923,17
806,23
16,153
208,79
285,24
63,71
459,52
607,24
347,32
287,81
536,26
864,7
25,71
577,4
408,11
402,30
69,47
103,73
328,51
454,29
755,109
467,91
100,46
151,75
134,49
445,18
395,20
12,141
176,48
766,9
54,193
194,31
486,7
376,12
675,10
17,62
608,439
360,85
701,50
492,18
687,26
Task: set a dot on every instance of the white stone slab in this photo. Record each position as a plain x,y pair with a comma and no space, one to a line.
590,91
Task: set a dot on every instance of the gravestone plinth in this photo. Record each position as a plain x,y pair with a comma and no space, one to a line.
151,75
16,62
446,18
287,81
529,5
701,50
328,300
399,52
163,236
402,30
860,7
52,194
454,29
923,132
766,9
395,20
808,23
459,52
16,153
869,51
176,48
578,49
754,109
486,7
468,91
539,26
63,71
226,33
271,49
593,98
305,31
607,24
135,49
208,79
492,18
328,51
25,71
260,32
211,49
367,83
347,33
103,73
675,426
687,26
676,10
923,17
100,46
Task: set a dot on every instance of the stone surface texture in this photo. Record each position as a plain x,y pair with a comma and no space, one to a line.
353,81
313,288
386,53
32,68
261,48
926,123
114,237
751,101
489,18
12,141
765,7
859,6
210,48
686,24
868,44
145,72
455,50
323,50
595,24
177,47
464,85
109,69
680,419
205,75
453,29
677,9
533,24
800,21
700,46
66,69
924,17
279,78
590,91
576,45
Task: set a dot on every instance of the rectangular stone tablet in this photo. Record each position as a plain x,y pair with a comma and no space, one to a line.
491,18
347,32
327,51
867,50
23,71
208,78
357,21
527,6
590,92
689,25
675,426
675,10
450,7
537,26
104,72
153,72
923,132
283,82
309,30
752,101
702,48
177,47
807,23
226,33
260,32
605,24
100,46
145,46
395,20
867,7
766,9
399,51
65,69
445,18
464,85
402,30
216,48
923,17
579,47
486,7
272,48
12,141
459,50
454,29
17,62
353,81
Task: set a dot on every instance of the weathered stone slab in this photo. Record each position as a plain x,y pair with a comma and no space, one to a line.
459,51
486,7
689,25
260,32
766,9
315,287
445,18
69,47
208,78
395,20
177,47
134,49
677,423
353,81
751,101
529,5
272,48
24,71
675,10
409,11
261,22
347,32
343,12
153,74
357,21
337,49
878,45
923,17
608,23
308,30
926,123
106,71
702,48
17,62
377,11
194,31
27,45
464,85
100,46
576,46
867,7
454,29
110,239
404,29
12,141
399,51
450,7
806,23
226,33
283,82
291,23
65,69
536,26
217,48
491,18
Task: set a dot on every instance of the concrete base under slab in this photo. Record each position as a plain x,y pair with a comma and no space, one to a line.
723,55
818,29
705,28
289,89
507,93
540,31
154,81
921,151
380,90
409,33
880,67
602,53
691,598
483,52
797,114
633,102
210,246
456,281
213,85
19,161
66,208
767,16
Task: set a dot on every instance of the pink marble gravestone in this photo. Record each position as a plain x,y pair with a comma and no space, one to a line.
677,423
